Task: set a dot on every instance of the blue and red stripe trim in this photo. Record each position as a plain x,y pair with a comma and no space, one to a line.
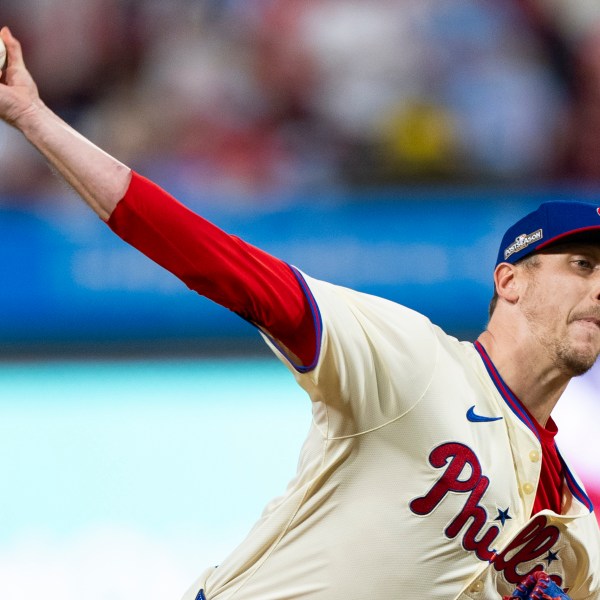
517,408
317,322
574,487
513,402
317,325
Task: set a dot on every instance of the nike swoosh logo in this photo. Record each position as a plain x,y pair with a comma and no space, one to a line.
475,418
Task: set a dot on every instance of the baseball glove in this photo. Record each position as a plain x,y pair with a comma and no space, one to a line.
538,586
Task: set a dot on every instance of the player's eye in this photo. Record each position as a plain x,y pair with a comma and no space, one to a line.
583,263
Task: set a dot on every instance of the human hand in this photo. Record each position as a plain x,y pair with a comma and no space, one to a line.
19,95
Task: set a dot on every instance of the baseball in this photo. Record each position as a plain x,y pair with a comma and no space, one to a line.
2,54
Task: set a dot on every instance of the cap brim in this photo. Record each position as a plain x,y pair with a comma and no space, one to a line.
585,235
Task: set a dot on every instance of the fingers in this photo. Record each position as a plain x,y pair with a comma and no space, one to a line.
13,47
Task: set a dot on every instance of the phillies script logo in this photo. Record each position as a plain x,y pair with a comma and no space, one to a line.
531,544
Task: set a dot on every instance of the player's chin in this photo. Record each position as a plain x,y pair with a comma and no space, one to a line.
586,334
580,356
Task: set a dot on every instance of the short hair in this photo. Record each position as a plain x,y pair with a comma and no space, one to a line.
529,262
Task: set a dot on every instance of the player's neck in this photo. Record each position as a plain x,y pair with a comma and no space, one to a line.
526,369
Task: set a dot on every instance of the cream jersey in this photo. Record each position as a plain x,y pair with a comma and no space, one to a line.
417,478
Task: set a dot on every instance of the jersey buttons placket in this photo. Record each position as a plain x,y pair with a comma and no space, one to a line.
476,587
528,488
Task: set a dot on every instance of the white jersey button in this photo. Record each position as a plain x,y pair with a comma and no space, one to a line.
534,456
476,587
528,488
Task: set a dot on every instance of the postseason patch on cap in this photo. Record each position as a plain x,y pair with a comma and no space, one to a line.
551,223
522,242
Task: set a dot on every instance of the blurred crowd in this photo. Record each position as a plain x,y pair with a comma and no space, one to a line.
264,99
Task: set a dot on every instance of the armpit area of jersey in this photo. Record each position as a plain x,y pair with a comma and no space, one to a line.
248,281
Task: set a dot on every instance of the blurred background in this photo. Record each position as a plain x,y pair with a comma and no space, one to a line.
384,145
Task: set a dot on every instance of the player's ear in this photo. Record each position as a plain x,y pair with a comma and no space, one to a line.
505,282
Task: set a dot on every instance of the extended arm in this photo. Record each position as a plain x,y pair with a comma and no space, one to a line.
98,178
252,283
259,287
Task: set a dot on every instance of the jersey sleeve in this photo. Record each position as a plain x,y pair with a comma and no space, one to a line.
374,362
259,287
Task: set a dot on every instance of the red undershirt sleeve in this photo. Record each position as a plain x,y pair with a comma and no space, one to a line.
257,286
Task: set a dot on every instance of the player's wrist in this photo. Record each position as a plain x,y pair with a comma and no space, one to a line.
31,119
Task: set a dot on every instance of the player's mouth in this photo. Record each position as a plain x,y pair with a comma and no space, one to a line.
590,322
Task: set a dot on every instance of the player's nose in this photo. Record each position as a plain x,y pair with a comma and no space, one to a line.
596,288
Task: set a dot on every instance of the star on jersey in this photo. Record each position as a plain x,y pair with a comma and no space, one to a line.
552,556
503,516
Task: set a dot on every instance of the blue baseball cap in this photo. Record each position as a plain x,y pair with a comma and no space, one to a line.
551,223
